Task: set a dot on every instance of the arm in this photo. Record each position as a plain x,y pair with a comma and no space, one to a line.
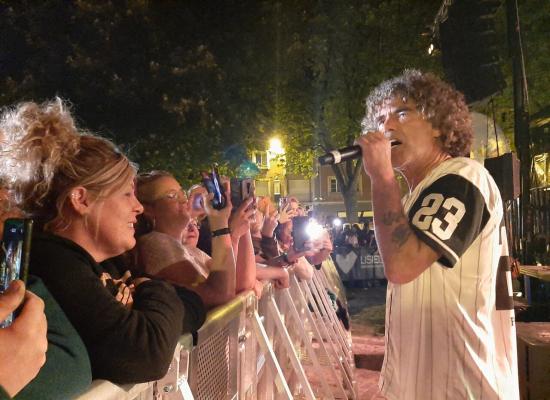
303,269
125,345
217,289
242,240
276,274
404,255
23,344
67,371
246,264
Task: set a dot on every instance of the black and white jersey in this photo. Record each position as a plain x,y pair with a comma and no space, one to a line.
450,333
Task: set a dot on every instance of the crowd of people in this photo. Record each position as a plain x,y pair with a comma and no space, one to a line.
121,263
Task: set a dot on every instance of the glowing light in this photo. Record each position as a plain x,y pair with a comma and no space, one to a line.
314,229
431,49
337,222
275,146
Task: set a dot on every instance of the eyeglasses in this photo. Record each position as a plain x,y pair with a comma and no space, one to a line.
193,225
174,195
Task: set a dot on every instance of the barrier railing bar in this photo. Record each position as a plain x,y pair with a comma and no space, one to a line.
333,338
323,336
345,336
315,329
330,317
289,347
263,341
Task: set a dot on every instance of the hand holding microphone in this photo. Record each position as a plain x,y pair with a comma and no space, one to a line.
346,153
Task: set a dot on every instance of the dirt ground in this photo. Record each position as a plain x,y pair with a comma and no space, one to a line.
367,310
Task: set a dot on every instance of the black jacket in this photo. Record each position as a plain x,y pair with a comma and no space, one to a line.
125,345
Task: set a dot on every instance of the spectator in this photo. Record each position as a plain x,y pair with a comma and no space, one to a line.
164,253
265,248
79,188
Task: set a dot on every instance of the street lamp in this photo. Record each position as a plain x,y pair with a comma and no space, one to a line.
275,146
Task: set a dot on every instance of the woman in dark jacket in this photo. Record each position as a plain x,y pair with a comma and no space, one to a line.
80,190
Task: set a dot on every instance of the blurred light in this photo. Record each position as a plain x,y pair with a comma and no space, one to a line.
431,49
314,230
275,146
337,222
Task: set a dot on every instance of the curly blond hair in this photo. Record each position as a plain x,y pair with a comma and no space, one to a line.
43,156
442,105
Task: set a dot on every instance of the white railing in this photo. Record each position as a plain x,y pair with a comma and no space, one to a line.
287,344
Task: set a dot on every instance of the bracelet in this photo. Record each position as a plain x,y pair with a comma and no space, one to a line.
221,232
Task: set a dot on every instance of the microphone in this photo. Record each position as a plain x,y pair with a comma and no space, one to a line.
344,154
337,156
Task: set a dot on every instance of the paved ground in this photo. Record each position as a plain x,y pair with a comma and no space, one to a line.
366,307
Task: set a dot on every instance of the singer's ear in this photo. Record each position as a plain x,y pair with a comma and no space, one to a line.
436,133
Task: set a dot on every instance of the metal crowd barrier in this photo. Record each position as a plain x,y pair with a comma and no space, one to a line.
288,344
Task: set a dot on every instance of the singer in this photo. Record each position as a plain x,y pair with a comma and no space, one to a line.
450,322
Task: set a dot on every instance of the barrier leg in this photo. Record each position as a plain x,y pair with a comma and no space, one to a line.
300,299
330,321
287,343
271,360
323,335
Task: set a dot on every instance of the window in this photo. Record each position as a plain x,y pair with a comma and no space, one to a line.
260,158
332,184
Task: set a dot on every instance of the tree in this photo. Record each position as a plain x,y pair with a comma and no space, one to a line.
334,54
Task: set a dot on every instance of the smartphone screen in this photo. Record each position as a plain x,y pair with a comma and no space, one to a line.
211,182
196,202
15,253
299,232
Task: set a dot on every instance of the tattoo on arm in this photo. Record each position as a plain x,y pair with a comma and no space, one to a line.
391,217
402,231
400,234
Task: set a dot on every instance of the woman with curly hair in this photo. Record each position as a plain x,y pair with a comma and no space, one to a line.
449,314
79,188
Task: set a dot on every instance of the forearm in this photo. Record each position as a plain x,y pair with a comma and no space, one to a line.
319,257
303,269
404,255
222,275
246,264
269,273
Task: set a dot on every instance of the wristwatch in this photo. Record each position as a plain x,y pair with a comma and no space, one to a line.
221,232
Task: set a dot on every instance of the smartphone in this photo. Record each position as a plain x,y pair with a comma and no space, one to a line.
299,233
196,202
241,189
283,201
211,182
15,253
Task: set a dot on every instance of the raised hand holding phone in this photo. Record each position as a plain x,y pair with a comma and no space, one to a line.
211,182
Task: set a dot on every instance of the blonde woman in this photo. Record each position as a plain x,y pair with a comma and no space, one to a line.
80,190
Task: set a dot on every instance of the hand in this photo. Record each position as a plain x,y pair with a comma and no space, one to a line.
283,281
292,255
239,223
125,288
218,219
258,288
286,214
23,345
376,150
270,222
